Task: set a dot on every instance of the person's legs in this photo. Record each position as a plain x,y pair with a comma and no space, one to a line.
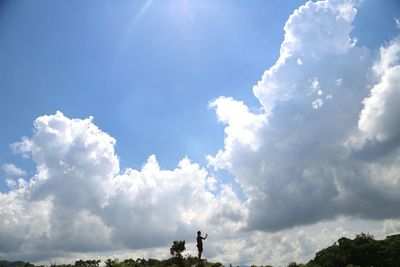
200,251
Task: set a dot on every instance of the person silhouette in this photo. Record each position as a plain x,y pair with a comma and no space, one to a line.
200,243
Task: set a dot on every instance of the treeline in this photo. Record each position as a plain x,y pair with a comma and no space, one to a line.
174,261
362,251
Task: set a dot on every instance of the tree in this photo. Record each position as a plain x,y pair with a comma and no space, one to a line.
177,248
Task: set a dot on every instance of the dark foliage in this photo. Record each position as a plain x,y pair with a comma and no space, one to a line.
362,251
88,263
15,264
177,248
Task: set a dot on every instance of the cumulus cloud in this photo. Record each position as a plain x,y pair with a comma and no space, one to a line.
163,205
23,147
315,30
381,113
241,130
80,201
13,170
306,167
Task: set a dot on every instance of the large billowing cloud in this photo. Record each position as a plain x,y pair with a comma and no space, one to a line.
307,156
79,200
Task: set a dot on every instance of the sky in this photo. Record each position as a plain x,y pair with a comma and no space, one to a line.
272,126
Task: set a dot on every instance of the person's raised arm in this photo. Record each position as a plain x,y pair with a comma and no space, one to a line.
205,236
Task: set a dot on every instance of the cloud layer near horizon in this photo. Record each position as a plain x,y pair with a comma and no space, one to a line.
325,144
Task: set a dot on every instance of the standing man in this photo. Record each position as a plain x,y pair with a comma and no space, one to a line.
200,243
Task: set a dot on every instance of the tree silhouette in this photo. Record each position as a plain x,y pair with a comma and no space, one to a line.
177,248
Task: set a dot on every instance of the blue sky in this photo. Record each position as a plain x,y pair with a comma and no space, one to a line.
290,132
146,70
146,78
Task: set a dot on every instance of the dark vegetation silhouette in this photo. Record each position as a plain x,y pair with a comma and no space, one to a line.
362,251
176,251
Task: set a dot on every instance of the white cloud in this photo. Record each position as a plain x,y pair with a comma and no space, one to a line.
302,171
299,62
381,114
397,21
22,147
82,202
391,227
317,103
23,223
13,170
11,183
314,84
339,81
241,122
315,29
162,205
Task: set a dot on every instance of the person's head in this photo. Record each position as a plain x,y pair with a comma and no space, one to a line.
198,233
